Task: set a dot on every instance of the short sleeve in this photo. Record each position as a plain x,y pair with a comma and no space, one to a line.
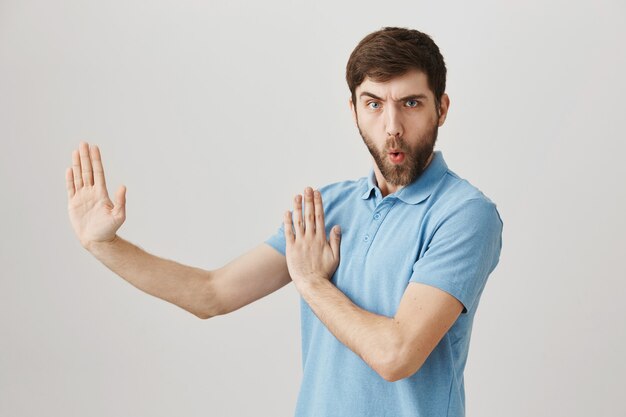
277,240
464,250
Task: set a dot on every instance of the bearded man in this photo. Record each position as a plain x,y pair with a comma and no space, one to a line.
390,267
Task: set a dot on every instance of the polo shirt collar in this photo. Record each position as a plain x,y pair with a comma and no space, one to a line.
417,191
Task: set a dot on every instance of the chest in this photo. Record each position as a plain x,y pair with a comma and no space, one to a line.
380,243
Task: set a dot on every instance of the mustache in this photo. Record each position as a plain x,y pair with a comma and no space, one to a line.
395,143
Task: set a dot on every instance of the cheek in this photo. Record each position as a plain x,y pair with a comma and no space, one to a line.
423,124
370,122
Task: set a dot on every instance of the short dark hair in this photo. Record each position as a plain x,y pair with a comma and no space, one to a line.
391,52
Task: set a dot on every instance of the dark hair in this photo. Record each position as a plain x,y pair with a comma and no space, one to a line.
391,52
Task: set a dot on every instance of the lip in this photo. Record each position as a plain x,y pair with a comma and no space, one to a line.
396,157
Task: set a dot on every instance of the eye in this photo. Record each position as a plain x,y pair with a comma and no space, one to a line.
412,103
373,105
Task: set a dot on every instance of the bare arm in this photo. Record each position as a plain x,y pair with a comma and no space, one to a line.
395,347
255,274
96,219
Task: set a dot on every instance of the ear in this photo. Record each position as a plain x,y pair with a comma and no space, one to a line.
444,106
353,111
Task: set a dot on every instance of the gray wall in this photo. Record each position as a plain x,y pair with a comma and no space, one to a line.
215,115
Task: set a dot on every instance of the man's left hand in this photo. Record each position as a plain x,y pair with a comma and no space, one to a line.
310,257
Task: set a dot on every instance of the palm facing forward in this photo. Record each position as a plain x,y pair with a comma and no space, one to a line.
93,215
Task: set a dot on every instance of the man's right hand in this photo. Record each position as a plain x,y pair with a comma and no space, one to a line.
96,219
93,215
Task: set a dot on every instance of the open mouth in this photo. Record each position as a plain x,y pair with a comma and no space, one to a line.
396,157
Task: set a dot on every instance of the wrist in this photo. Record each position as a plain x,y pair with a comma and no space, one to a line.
310,283
94,246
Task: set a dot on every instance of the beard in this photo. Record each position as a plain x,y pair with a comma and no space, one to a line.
414,158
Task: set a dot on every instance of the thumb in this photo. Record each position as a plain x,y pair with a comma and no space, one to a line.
120,202
335,239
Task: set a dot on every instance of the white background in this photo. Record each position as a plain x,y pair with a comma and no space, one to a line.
215,115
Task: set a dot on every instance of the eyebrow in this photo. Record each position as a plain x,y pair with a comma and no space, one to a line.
409,97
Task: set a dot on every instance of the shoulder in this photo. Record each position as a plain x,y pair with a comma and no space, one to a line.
340,187
342,192
457,200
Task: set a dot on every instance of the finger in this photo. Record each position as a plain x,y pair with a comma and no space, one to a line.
69,181
297,212
309,211
319,215
98,170
78,178
289,236
85,163
119,210
335,240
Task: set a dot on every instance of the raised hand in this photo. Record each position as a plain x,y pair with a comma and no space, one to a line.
309,255
93,215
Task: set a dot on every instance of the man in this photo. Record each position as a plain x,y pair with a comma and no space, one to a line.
389,292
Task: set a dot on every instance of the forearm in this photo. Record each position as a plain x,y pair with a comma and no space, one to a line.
394,347
312,259
373,337
184,286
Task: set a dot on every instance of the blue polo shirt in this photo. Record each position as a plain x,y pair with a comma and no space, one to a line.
440,231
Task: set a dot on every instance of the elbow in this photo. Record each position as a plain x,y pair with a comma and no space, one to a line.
203,315
207,305
209,310
395,366
393,375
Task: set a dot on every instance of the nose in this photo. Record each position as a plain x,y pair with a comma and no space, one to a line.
393,122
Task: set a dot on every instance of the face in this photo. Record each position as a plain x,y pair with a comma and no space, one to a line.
398,121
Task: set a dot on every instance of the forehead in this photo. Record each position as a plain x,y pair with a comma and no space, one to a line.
411,82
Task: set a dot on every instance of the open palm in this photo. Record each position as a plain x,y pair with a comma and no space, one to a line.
94,217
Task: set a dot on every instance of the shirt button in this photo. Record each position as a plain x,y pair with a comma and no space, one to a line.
366,238
377,216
